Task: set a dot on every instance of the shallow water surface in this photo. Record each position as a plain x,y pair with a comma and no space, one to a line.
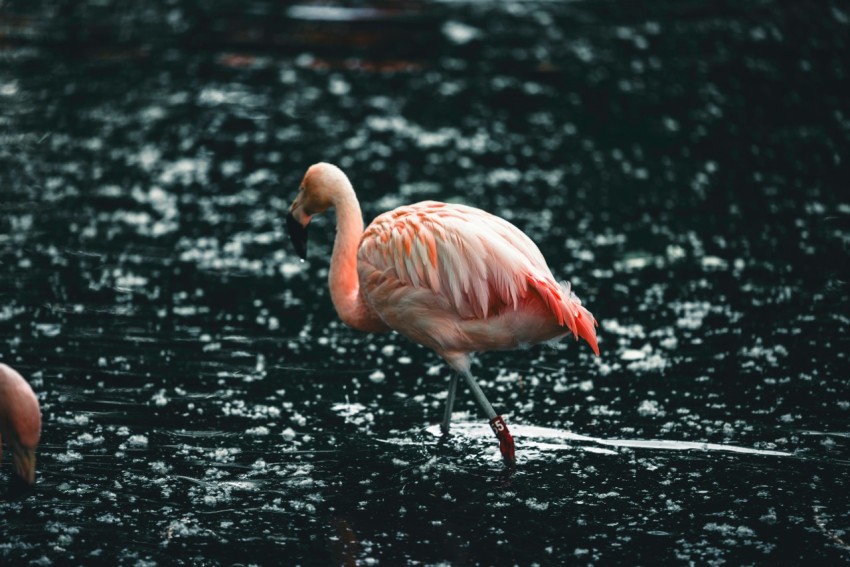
683,166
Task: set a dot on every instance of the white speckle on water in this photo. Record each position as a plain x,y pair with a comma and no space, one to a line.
633,330
670,124
691,314
633,354
68,457
186,171
136,442
7,312
769,354
223,454
377,376
354,413
258,411
652,363
649,408
148,156
259,177
714,263
460,33
636,262
675,252
9,89
87,439
48,329
729,530
537,505
181,528
339,86
159,399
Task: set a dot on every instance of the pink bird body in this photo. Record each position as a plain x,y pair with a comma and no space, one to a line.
460,280
20,423
450,277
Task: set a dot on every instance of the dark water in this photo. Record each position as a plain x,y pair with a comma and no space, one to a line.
684,164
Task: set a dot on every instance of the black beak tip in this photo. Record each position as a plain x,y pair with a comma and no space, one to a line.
298,236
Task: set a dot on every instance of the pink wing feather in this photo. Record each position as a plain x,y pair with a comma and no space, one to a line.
480,263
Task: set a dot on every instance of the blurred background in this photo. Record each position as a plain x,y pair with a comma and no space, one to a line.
682,163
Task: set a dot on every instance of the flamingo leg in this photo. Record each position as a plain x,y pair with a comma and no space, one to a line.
497,423
450,404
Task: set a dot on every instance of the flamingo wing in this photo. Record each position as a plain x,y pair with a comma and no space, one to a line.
480,263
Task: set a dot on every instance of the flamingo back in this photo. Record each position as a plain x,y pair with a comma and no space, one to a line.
479,263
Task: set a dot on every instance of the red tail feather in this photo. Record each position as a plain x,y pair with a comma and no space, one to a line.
568,310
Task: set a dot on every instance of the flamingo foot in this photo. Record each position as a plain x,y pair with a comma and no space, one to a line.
506,440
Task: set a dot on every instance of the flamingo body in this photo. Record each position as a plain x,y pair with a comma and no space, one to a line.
20,423
460,280
453,278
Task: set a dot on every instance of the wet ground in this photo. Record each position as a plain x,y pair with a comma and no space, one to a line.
683,164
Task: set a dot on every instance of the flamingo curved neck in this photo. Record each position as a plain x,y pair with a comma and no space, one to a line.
343,279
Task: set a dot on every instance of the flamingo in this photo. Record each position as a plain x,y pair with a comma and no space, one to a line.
20,426
453,278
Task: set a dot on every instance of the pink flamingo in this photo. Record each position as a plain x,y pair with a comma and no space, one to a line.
20,426
450,277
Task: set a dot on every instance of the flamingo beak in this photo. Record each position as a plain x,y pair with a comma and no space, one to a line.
23,478
297,234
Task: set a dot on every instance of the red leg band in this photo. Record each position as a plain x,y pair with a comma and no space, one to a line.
506,440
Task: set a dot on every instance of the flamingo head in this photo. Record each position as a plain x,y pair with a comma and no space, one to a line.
315,196
20,428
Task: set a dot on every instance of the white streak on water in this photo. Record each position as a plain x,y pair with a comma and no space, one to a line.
533,433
